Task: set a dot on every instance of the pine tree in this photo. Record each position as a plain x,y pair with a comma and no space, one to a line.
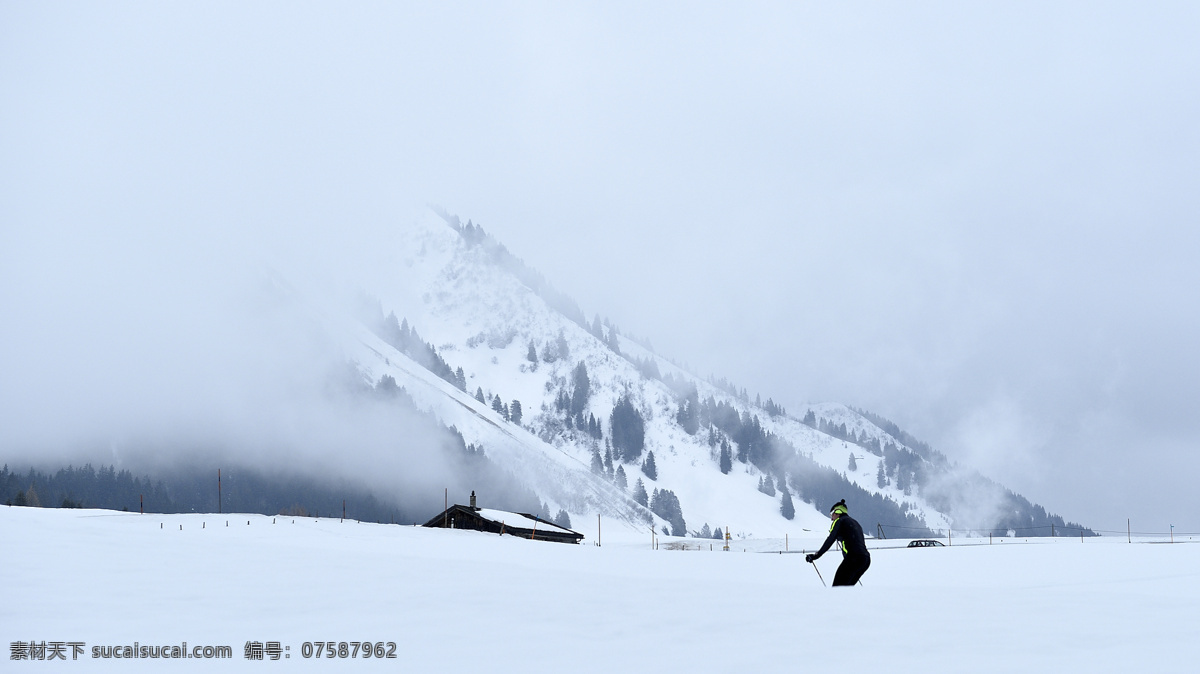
639,493
786,508
688,416
564,349
648,466
582,389
853,466
726,461
880,479
514,412
531,355
621,480
479,395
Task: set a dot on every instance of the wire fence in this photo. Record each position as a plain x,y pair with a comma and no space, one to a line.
1048,530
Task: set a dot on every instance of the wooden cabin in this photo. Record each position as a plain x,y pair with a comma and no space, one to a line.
502,522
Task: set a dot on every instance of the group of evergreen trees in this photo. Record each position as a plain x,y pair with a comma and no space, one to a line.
905,468
628,430
665,504
573,404
242,490
607,333
740,436
406,340
553,350
509,412
84,487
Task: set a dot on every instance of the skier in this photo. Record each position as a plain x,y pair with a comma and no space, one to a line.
855,558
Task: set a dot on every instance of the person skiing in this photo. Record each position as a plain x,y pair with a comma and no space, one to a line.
855,558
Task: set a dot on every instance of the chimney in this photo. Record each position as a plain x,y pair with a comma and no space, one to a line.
473,501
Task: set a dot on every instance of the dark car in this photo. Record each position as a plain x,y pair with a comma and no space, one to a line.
925,543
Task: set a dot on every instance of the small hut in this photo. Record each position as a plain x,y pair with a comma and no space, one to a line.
502,522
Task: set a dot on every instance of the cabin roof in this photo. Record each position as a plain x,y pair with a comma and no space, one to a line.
518,524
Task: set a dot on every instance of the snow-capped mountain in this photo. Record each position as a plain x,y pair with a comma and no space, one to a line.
486,345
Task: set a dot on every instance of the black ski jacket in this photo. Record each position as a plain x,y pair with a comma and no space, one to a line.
846,530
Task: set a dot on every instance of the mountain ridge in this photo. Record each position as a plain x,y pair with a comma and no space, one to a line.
461,288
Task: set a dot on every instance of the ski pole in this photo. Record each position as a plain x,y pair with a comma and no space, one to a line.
814,565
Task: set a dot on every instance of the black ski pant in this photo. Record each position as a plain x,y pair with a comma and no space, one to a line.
851,569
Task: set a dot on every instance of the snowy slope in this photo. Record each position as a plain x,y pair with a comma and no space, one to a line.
465,299
459,601
556,476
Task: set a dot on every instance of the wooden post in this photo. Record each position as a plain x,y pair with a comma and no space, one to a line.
785,542
990,536
1128,532
1052,530
446,510
950,536
141,504
343,510
597,530
218,491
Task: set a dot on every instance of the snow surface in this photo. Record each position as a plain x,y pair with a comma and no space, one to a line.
519,521
463,601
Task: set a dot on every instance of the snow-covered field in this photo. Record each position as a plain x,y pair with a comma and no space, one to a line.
456,601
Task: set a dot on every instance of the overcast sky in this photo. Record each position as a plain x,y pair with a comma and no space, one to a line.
978,220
